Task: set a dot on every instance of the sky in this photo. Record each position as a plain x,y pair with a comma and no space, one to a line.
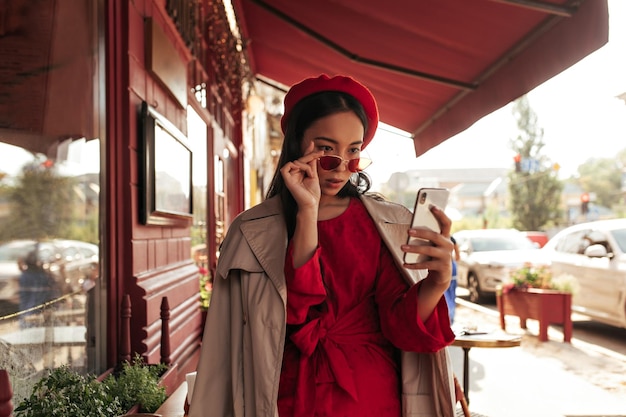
577,109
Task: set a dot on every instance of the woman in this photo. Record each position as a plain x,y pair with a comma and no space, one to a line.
312,306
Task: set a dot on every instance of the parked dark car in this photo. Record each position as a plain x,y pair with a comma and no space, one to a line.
67,262
594,254
487,258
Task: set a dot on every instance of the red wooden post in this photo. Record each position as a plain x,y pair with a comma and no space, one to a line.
504,309
165,332
6,394
567,324
125,315
543,325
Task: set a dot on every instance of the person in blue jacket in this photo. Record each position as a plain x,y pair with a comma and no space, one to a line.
450,293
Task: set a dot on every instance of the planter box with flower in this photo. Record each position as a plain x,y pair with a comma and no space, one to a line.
206,288
536,294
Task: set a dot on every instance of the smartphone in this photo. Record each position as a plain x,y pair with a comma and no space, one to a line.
423,217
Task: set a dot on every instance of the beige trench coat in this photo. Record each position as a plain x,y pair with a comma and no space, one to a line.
243,343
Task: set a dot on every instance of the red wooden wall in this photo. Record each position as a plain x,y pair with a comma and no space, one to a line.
144,261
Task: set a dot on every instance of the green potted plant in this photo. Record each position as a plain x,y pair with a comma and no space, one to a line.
539,276
65,392
206,288
137,383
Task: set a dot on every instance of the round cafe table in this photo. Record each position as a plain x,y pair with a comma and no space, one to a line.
470,339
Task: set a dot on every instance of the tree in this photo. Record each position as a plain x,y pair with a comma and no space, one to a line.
603,178
41,203
534,189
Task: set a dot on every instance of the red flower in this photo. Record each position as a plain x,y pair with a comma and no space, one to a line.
507,288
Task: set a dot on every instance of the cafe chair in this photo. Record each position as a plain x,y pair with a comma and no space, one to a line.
464,410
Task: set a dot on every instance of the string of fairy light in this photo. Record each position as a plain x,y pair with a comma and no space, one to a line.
210,30
227,49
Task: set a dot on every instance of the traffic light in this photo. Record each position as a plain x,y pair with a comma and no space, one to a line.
518,162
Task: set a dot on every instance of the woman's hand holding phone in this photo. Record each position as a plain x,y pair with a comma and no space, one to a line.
438,266
428,244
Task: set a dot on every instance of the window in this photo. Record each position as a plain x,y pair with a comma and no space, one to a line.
573,243
197,133
50,142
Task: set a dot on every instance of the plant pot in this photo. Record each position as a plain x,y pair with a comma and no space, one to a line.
546,306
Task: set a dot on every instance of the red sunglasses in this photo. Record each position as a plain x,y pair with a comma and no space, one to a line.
330,162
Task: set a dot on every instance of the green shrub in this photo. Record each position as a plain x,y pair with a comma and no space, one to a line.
64,392
138,383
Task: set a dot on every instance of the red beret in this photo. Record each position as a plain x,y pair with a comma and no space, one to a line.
337,83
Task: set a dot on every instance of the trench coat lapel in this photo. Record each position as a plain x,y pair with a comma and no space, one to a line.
267,238
263,230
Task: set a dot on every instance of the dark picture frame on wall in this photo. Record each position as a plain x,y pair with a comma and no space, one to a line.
166,172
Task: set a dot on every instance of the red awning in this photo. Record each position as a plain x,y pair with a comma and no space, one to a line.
435,66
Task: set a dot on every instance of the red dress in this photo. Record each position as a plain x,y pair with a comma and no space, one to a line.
349,311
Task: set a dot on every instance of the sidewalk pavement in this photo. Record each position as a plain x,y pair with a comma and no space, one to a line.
538,379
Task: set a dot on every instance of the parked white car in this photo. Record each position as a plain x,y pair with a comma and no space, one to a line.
487,258
594,253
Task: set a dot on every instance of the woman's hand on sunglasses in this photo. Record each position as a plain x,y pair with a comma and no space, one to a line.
301,178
